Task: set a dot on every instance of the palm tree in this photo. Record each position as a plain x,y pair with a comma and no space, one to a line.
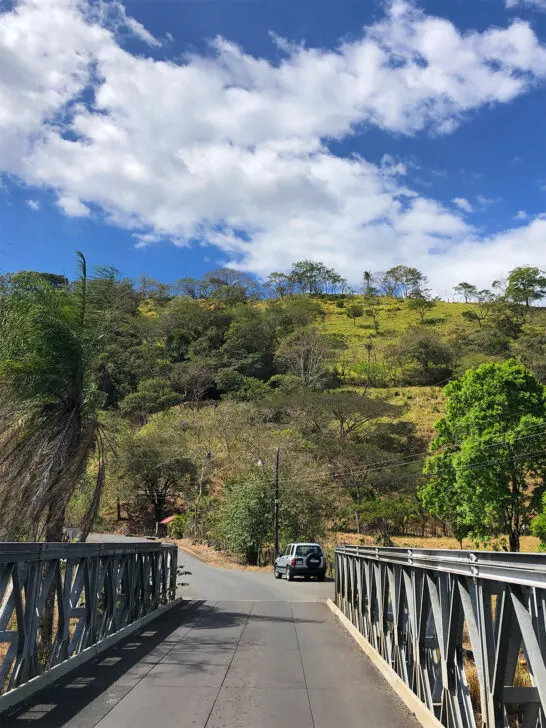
49,405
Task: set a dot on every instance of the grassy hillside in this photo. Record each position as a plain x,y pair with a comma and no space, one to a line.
395,317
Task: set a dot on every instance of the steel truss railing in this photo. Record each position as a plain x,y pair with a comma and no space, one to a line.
76,595
419,609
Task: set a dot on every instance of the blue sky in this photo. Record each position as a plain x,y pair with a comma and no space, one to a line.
168,136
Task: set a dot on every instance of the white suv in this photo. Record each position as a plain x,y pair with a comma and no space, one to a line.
301,559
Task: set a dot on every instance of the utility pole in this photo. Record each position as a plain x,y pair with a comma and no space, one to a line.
276,509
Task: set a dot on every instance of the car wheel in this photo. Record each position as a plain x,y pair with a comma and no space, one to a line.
277,574
289,574
321,577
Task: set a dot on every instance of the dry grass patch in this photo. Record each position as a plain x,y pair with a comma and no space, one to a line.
218,559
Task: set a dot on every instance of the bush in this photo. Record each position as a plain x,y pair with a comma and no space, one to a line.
538,526
285,383
245,522
373,374
428,359
177,527
250,390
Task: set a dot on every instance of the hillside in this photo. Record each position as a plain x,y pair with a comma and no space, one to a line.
194,389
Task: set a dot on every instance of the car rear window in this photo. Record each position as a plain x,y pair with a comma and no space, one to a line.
306,550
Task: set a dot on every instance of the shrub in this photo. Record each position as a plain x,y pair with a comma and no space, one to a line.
373,374
177,527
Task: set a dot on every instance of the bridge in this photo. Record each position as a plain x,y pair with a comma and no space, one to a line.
400,638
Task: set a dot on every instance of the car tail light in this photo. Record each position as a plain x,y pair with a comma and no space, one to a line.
293,562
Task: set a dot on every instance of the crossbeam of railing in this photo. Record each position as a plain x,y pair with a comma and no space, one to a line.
57,600
444,620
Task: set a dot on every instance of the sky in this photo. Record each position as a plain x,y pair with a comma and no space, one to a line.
168,137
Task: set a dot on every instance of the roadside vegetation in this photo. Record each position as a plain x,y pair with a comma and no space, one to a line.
398,416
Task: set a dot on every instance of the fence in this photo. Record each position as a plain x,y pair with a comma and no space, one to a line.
57,600
466,631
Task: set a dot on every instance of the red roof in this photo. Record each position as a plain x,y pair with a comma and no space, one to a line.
167,520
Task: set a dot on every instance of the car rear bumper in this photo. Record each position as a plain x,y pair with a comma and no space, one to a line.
305,571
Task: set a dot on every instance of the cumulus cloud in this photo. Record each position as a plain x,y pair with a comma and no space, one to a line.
232,150
33,204
521,215
462,204
72,207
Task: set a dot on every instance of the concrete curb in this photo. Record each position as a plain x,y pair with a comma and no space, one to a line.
419,709
18,695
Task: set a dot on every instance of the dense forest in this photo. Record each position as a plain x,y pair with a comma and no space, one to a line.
395,412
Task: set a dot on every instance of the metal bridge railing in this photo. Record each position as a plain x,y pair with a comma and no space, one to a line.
446,620
57,600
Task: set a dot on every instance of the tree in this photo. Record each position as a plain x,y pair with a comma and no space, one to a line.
306,354
354,311
466,291
486,466
407,281
150,288
422,303
152,395
245,519
229,285
192,380
526,284
426,351
385,283
312,277
530,348
250,342
49,403
482,307
189,286
538,525
334,283
373,308
155,465
280,283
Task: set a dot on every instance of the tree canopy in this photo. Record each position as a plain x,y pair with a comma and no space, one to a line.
486,468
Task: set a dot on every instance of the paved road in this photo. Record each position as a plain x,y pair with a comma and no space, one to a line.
265,654
226,665
207,582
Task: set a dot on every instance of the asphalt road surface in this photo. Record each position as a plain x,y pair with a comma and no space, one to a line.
210,583
247,652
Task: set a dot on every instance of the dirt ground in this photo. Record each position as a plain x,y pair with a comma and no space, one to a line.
215,558
529,544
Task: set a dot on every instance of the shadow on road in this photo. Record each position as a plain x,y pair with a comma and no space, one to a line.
92,690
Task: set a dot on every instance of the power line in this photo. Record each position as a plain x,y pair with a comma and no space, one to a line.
338,486
412,459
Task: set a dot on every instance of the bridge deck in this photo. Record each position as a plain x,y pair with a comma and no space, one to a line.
225,665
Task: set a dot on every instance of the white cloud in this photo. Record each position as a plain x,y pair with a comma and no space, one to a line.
389,165
462,204
521,215
540,4
73,207
233,150
481,261
33,204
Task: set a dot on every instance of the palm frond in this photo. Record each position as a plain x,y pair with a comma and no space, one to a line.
48,404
